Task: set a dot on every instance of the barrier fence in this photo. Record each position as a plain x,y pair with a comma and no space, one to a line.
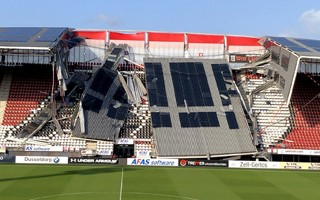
5,158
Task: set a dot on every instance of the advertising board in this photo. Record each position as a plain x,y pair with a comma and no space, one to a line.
4,158
104,152
109,161
296,152
143,154
41,160
243,58
43,148
300,165
207,163
152,162
254,164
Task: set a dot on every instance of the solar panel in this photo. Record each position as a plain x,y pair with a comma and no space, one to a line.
190,84
222,72
155,84
315,44
213,119
91,103
16,34
120,95
232,121
50,35
199,119
194,119
108,64
220,81
216,67
165,119
289,44
310,43
160,119
233,92
118,113
103,81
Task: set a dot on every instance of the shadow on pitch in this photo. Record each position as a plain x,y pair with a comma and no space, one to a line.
80,172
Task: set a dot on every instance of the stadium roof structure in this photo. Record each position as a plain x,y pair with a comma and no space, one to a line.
105,103
30,37
195,108
301,47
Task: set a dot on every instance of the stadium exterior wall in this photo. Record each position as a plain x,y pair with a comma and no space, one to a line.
163,44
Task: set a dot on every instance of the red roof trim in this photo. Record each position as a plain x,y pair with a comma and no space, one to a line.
95,35
243,41
165,37
212,39
127,36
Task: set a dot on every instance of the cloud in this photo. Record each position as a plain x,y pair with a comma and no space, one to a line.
311,21
103,19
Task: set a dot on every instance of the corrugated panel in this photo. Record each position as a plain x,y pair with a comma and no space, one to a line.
200,141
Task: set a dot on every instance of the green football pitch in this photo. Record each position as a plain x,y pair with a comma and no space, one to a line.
82,182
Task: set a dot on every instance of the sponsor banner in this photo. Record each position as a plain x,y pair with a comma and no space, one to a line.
41,160
299,165
292,165
208,163
74,160
297,152
6,158
88,152
254,164
43,148
143,154
105,152
313,166
152,162
124,141
243,58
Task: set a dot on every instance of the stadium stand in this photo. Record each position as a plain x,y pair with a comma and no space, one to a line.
269,109
181,95
29,86
305,105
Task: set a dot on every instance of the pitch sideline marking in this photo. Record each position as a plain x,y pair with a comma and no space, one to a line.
141,193
121,185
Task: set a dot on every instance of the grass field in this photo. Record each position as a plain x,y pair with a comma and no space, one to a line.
45,182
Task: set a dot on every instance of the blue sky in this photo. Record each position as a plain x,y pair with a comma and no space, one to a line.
295,18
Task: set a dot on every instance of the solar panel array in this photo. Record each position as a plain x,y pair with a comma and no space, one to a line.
190,84
193,122
50,35
16,34
191,89
315,44
31,36
221,73
289,44
199,119
119,108
155,84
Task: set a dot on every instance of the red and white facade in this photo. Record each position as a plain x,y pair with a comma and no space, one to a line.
163,44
